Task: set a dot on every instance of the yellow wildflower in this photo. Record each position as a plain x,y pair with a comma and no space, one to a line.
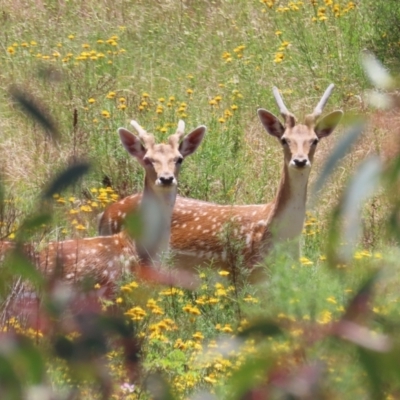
331,299
325,317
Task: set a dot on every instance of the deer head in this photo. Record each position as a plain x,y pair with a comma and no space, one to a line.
162,162
300,141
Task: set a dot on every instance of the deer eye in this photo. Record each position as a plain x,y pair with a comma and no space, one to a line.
284,141
315,142
179,160
148,162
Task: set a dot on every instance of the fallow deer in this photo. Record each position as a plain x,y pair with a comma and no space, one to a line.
197,226
104,258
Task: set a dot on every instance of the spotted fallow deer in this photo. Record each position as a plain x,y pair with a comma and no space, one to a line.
197,226
105,258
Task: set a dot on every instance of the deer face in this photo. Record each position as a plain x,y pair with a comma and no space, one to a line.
162,162
299,142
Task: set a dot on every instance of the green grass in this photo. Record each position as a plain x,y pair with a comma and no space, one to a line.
93,66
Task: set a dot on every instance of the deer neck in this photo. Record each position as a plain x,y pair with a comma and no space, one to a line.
286,220
155,210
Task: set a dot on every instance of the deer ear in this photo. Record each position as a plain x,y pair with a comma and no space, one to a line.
132,144
271,123
328,124
192,141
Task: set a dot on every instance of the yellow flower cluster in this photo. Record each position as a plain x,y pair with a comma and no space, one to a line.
136,313
79,210
14,325
104,50
283,46
311,226
335,8
239,51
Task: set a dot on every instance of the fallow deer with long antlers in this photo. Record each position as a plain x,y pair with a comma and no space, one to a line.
105,258
197,226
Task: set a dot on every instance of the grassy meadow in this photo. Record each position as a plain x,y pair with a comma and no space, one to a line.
90,67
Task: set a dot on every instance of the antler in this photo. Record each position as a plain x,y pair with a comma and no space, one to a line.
147,138
311,118
286,114
178,135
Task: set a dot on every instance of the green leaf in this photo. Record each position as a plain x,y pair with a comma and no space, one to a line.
34,362
11,386
341,149
66,178
372,366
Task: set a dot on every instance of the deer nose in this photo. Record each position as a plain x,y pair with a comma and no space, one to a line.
300,163
166,180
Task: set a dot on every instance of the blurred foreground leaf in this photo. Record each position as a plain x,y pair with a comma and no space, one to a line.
32,108
158,387
362,186
133,224
377,73
19,264
10,384
341,149
264,328
31,224
65,179
370,361
154,223
363,337
359,307
251,373
32,358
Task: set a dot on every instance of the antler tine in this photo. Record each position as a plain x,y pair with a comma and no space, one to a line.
148,138
282,108
138,128
178,135
286,114
320,106
180,131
